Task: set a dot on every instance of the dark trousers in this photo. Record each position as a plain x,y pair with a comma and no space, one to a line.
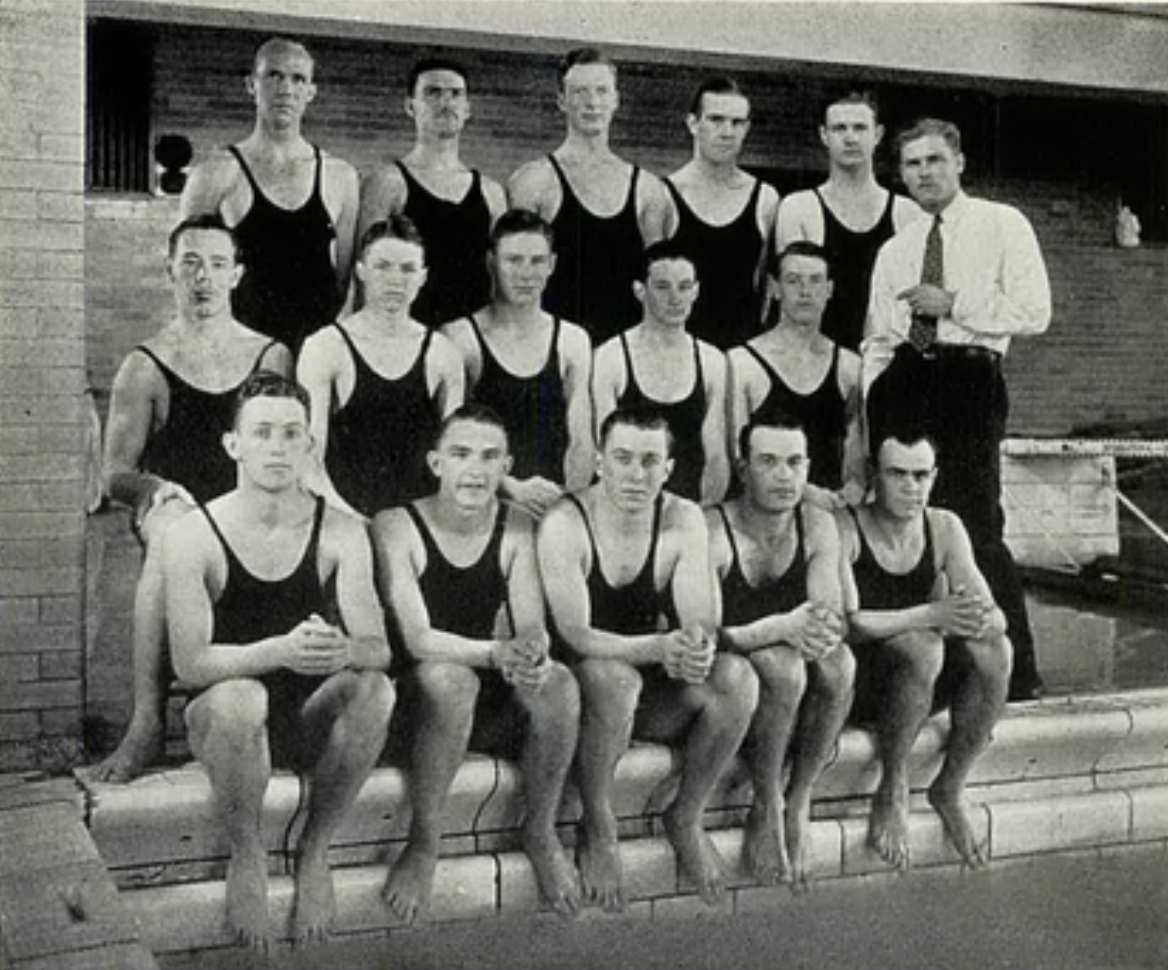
957,396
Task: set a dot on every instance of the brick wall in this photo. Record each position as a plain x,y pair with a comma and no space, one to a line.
42,379
1102,359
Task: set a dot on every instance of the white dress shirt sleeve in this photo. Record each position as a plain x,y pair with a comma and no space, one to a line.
998,276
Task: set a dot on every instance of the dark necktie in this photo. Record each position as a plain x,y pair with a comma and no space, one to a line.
922,333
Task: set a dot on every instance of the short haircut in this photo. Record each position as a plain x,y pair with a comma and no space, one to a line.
473,412
269,383
923,127
780,421
580,56
283,45
425,64
208,221
664,250
802,247
716,85
854,96
642,416
907,436
393,226
518,222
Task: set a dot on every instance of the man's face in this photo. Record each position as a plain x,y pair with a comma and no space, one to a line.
522,263
804,289
470,462
634,465
850,134
669,291
589,98
204,271
721,129
282,86
439,103
775,474
931,170
904,477
392,271
270,442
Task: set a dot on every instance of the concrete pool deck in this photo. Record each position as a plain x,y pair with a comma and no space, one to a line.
1063,775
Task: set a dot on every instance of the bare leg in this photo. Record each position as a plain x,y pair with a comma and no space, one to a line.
609,692
782,679
825,708
447,694
145,738
554,720
723,706
976,708
913,663
227,724
351,711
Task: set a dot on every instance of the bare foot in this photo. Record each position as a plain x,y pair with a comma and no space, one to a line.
697,859
764,849
142,746
798,829
559,882
247,899
407,889
951,807
315,905
888,829
600,871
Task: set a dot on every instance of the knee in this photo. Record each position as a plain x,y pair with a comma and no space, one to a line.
372,698
835,674
735,682
562,690
235,709
447,684
609,686
780,671
992,658
558,701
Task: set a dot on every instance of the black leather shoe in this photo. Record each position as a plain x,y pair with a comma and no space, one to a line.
1025,689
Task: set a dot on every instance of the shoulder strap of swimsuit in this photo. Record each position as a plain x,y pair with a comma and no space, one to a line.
349,342
311,553
319,169
423,530
587,526
484,350
630,374
632,196
262,354
554,346
763,362
251,179
166,371
559,173
737,559
426,341
861,539
651,559
406,174
232,558
929,555
752,203
800,547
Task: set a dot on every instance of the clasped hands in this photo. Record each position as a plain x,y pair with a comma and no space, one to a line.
522,661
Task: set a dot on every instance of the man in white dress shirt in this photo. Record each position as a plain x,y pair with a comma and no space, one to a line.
948,294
